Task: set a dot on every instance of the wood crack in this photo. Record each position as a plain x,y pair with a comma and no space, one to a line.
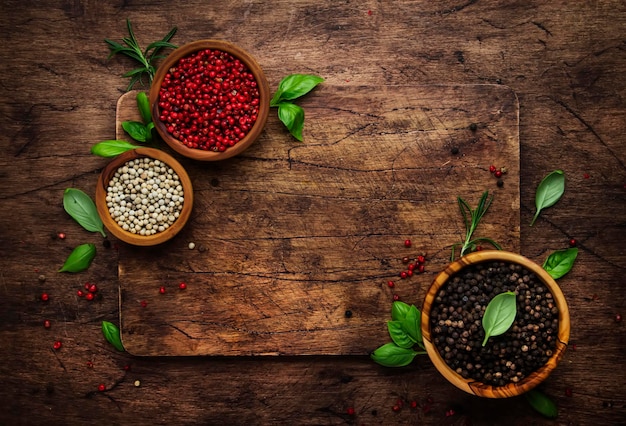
248,331
589,127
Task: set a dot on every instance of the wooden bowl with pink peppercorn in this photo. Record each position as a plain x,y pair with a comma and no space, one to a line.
210,100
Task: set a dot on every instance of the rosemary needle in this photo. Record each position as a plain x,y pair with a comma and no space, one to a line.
471,219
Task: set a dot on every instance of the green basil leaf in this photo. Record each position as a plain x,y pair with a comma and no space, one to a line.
143,104
136,130
398,335
549,191
412,324
83,210
151,131
111,148
392,355
292,117
399,310
294,86
560,262
542,404
79,259
112,333
499,315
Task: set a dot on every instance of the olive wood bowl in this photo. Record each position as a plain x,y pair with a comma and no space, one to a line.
478,388
264,99
103,211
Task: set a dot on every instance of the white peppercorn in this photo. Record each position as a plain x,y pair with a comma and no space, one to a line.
137,193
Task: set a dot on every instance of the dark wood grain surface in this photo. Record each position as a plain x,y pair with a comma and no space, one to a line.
291,237
566,61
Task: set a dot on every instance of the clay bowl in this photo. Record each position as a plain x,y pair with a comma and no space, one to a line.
101,193
472,386
264,99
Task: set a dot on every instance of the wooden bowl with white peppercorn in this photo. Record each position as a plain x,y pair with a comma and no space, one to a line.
452,329
144,197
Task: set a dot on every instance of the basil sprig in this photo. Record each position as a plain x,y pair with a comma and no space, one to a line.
542,404
405,332
143,104
112,334
141,132
392,355
399,336
560,262
137,131
499,315
111,148
549,191
79,259
83,210
292,87
399,310
292,117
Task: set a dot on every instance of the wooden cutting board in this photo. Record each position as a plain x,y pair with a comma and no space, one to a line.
295,242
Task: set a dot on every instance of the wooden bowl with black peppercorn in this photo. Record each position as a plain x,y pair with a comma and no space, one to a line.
144,197
509,364
210,100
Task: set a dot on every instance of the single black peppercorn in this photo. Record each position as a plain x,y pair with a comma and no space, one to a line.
473,127
348,314
454,150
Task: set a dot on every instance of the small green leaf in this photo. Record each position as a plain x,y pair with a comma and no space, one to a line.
111,148
560,262
542,403
398,335
151,132
399,310
392,355
136,130
412,324
292,117
143,104
79,259
499,315
294,86
83,210
112,334
549,192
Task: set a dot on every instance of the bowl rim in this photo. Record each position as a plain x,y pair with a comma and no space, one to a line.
262,84
473,386
103,211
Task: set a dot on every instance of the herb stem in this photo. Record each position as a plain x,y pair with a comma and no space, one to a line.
146,58
471,219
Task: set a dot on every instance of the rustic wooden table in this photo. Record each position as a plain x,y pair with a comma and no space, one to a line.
566,61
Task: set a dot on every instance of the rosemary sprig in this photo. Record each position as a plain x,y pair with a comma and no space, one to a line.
471,219
146,58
